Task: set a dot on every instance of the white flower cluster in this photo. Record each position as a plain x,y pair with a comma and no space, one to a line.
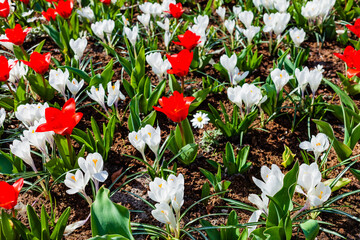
199,28
92,168
318,144
158,65
317,9
169,196
308,183
313,78
146,135
229,63
59,80
105,27
248,94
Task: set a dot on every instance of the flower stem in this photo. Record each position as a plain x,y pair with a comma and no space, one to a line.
182,134
70,148
12,92
44,82
182,84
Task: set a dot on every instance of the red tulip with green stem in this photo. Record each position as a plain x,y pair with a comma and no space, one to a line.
180,64
176,107
9,194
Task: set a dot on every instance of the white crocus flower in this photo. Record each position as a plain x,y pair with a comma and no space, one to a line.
152,137
28,113
175,184
78,46
234,95
280,78
58,79
163,213
268,4
108,28
272,180
167,39
177,201
165,25
237,10
36,139
144,19
297,36
309,177
251,95
165,4
132,35
159,191
246,17
114,93
2,117
315,77
281,5
276,22
311,10
260,202
318,195
229,63
98,95
87,13
74,86
18,71
93,164
138,143
158,65
76,182
230,26
7,45
125,20
98,29
255,216
250,33
202,21
199,120
21,149
237,76
221,12
145,7
270,21
318,144
303,79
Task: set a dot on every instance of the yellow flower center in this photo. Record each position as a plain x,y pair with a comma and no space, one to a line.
73,178
95,161
136,137
97,89
318,144
281,75
149,134
73,82
199,119
160,185
321,193
33,131
113,87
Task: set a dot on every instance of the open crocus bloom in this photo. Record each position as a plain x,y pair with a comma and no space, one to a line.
136,140
16,35
176,107
163,213
309,177
61,121
76,182
93,164
272,180
151,136
159,190
280,78
9,193
318,144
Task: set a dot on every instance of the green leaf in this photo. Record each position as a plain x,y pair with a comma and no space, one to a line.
310,229
60,226
339,184
287,156
108,217
5,165
109,237
34,222
188,153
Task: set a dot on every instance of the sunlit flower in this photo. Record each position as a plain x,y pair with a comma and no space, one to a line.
221,12
21,149
309,176
93,164
246,17
29,113
180,63
199,120
18,71
251,95
74,86
234,95
10,193
78,46
230,25
152,137
318,144
87,13
39,62
318,195
138,143
163,213
297,35
114,93
250,33
158,65
2,117
280,78
58,79
76,182
132,35
176,10
144,19
98,95
272,180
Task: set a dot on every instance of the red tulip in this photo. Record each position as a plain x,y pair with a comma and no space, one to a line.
355,28
107,2
176,10
4,9
25,1
176,107
16,35
4,69
352,59
64,8
39,62
180,63
50,14
189,40
9,193
61,121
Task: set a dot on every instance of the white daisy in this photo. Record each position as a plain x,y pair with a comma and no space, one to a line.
200,119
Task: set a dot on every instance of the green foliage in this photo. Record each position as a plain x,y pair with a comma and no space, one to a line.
287,156
39,227
233,125
109,218
215,180
95,141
